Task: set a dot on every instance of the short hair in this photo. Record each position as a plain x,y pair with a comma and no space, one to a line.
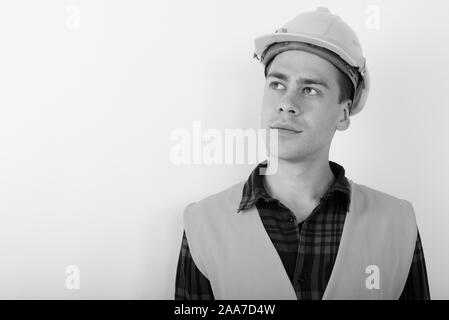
346,88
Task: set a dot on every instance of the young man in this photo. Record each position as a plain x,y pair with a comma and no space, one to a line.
306,231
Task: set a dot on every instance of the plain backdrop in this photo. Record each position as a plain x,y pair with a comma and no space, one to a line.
90,92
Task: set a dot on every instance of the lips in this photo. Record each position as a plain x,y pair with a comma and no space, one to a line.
286,128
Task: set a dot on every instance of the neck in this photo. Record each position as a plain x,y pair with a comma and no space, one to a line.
301,182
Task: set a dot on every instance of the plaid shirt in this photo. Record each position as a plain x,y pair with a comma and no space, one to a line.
307,249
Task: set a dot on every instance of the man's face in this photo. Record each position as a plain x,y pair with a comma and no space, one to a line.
302,91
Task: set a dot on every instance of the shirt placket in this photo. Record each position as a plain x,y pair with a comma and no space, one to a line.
298,279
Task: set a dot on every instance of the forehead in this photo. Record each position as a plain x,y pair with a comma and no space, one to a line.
296,64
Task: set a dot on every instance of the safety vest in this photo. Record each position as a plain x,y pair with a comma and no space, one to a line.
234,251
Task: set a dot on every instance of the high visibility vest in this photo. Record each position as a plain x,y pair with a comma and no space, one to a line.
234,251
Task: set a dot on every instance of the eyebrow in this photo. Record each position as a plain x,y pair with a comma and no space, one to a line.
300,80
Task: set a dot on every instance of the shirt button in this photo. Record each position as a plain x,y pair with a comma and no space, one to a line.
291,219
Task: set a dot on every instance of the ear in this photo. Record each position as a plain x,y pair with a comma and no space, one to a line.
343,121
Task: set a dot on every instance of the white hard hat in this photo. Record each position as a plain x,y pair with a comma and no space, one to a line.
322,29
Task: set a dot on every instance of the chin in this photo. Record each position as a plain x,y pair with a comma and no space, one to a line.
289,155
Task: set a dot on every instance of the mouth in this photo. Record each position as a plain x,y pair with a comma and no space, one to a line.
286,130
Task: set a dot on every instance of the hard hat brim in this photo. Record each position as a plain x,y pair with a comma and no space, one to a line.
263,42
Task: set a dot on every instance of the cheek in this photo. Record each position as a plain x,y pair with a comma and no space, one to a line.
270,97
325,126
268,110
265,117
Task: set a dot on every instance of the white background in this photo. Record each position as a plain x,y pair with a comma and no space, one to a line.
91,90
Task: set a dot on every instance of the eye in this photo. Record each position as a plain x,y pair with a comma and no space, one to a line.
310,91
276,85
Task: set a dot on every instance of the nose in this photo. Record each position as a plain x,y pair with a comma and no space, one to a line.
288,109
289,105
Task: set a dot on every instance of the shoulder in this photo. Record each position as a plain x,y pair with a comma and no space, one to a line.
374,192
382,200
226,199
